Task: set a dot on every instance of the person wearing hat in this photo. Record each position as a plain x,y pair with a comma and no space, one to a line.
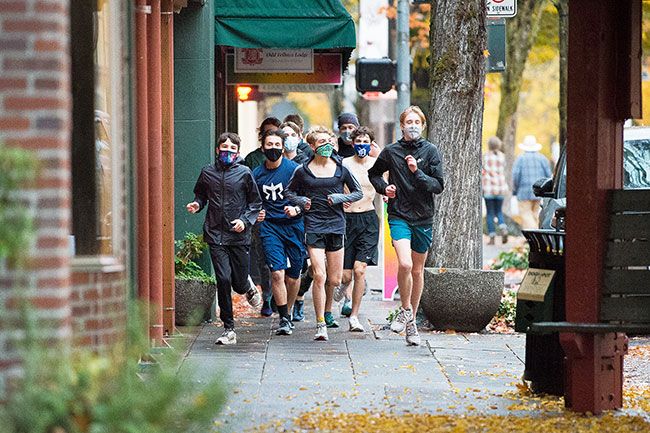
348,122
529,167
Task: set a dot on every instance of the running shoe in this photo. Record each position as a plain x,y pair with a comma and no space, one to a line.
399,323
321,332
254,298
266,308
284,328
298,311
329,320
339,292
346,309
227,337
412,335
355,325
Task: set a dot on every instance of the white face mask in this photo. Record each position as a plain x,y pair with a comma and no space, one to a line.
412,132
291,143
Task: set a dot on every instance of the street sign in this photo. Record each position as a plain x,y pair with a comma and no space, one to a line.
501,8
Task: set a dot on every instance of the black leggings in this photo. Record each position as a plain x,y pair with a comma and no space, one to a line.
230,264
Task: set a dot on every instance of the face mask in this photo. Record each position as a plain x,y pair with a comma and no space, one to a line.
325,150
273,154
291,143
362,150
346,136
227,157
412,132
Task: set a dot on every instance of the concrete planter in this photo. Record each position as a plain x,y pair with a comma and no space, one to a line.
193,301
459,299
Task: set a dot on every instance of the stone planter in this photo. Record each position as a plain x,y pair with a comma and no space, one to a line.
193,301
459,299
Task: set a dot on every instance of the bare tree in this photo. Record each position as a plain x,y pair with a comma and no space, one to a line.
457,75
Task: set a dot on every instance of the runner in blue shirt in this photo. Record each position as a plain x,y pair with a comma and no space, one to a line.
281,226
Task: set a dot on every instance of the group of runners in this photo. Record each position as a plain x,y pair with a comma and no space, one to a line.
294,199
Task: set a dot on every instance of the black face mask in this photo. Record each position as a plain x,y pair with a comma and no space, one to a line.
273,154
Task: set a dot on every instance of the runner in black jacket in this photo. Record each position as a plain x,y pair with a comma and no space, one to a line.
415,174
228,189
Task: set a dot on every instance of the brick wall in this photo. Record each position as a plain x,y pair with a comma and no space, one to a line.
76,304
35,115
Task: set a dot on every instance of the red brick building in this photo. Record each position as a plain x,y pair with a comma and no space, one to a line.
64,95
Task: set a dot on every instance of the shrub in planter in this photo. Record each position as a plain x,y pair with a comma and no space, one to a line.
194,289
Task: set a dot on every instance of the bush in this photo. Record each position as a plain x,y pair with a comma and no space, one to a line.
516,258
190,248
83,392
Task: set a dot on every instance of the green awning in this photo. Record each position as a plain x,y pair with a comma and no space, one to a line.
316,24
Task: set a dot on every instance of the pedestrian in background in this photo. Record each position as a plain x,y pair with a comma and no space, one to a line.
529,167
347,123
415,173
229,191
494,188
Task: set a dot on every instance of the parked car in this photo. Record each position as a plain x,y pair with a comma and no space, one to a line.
636,167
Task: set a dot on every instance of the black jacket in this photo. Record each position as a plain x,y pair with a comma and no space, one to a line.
413,201
345,150
230,193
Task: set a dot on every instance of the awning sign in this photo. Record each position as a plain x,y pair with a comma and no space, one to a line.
501,8
327,69
535,284
272,60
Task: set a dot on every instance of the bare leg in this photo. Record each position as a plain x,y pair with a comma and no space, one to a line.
418,279
279,288
359,286
404,276
317,256
334,274
293,286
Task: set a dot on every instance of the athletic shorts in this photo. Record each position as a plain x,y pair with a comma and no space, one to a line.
283,246
421,237
361,238
328,241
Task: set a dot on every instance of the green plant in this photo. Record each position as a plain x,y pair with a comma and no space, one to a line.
82,392
516,258
392,314
17,167
508,307
190,248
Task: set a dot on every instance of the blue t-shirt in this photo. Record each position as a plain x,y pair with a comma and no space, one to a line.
272,185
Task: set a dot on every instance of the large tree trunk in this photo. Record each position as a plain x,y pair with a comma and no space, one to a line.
520,32
458,41
562,7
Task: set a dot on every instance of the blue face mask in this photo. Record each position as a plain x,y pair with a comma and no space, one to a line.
227,157
291,143
362,150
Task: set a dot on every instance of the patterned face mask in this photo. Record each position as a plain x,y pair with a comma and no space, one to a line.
227,157
412,132
325,150
346,136
362,150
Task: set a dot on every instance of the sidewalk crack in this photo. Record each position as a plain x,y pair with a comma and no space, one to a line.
354,373
266,354
515,353
442,367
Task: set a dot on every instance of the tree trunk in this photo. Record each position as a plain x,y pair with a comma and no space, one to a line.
562,7
520,32
458,41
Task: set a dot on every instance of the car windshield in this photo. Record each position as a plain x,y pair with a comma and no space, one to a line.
636,163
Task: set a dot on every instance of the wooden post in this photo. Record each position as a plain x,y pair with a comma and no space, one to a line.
597,66
142,143
168,164
154,82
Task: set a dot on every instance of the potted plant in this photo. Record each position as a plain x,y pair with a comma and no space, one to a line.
194,289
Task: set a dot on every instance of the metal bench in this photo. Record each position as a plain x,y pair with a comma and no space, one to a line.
625,296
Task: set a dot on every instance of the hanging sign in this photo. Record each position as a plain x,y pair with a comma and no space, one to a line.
535,284
501,8
272,60
327,70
